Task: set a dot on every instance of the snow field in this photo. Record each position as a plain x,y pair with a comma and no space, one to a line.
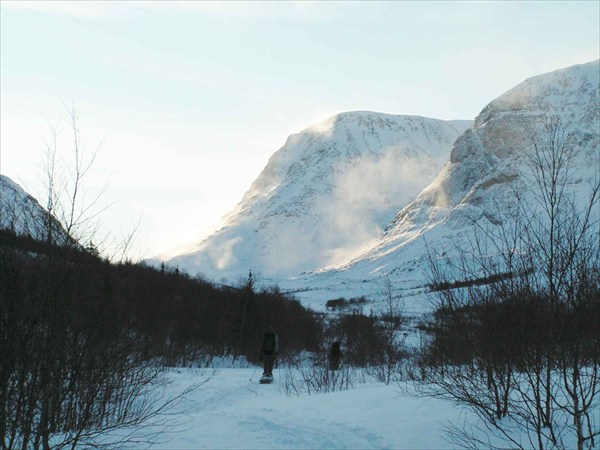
232,410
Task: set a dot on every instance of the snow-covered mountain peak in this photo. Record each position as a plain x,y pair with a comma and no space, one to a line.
327,192
489,163
570,90
342,136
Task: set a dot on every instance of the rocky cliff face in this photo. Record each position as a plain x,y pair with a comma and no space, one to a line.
327,193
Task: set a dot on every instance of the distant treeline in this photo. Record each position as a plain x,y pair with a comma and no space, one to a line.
174,316
456,284
82,339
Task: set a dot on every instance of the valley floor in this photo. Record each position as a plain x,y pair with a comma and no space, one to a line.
232,410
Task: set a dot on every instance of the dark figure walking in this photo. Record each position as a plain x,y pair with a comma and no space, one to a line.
335,354
268,353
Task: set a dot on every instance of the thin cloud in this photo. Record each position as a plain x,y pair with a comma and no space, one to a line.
87,10
239,11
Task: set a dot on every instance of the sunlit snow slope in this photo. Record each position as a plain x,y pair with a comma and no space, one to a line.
488,165
328,192
19,211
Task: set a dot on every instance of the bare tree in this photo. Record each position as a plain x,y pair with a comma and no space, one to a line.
515,338
314,375
73,368
71,217
390,316
566,237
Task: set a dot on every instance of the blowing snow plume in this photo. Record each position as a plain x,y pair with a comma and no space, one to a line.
490,168
328,192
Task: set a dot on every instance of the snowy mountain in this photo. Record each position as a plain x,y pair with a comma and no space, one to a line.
487,165
19,211
328,192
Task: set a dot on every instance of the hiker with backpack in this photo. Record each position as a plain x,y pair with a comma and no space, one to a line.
335,355
268,353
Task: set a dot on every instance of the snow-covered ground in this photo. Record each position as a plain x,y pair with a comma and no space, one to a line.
232,410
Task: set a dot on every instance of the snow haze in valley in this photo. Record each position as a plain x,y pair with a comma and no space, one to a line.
190,100
488,164
328,192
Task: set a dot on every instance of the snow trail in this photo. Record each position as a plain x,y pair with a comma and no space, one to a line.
229,411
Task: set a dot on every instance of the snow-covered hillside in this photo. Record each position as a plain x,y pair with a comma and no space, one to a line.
326,194
488,164
19,211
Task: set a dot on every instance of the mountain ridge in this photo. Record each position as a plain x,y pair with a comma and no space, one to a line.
326,192
486,162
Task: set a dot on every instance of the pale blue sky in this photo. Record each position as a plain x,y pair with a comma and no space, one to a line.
192,98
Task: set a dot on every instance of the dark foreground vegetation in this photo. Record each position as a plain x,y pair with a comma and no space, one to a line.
527,365
519,344
81,338
83,341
